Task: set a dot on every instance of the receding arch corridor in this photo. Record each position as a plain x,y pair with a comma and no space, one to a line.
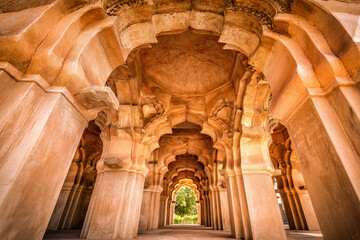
108,108
191,232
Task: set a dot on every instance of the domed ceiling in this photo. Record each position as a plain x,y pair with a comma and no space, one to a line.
187,63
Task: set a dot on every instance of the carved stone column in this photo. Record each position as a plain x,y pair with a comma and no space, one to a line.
146,207
168,212
150,208
202,212
265,217
161,211
311,219
164,212
330,160
237,230
205,210
224,207
198,207
172,213
216,208
209,210
40,129
213,210
114,209
156,205
54,223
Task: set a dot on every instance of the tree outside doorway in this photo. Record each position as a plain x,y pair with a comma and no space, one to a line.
185,208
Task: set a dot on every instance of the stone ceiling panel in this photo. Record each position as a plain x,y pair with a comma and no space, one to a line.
187,63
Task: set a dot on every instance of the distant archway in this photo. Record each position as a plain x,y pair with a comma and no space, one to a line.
186,209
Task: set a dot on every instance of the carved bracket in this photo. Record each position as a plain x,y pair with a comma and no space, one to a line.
113,162
98,97
151,109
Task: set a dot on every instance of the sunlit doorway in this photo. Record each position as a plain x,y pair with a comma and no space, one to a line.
185,211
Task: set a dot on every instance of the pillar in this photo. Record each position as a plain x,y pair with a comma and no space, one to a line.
172,212
293,206
237,229
287,209
115,204
238,207
308,209
150,209
164,211
73,214
168,211
206,219
198,207
213,210
208,210
224,209
54,223
329,158
216,208
264,213
210,215
146,206
202,219
156,206
161,212
40,129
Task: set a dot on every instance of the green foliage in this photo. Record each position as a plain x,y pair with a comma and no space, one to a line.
185,208
186,219
185,202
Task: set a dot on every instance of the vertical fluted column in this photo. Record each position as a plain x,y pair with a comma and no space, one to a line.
218,208
55,220
202,211
164,211
145,214
156,205
198,207
39,133
215,223
161,211
205,211
168,212
334,190
225,215
265,217
115,204
172,212
209,210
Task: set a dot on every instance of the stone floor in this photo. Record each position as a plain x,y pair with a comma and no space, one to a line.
188,232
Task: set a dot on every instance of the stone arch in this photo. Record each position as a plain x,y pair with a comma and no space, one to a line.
70,65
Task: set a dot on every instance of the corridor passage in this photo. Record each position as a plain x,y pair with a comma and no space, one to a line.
188,232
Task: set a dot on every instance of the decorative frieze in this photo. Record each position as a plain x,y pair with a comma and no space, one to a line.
114,7
283,5
151,108
263,13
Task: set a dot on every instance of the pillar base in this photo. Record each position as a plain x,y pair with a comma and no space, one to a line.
114,206
265,217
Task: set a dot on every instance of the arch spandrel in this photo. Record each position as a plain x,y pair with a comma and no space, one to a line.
135,45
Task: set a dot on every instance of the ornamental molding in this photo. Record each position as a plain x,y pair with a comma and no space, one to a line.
151,108
114,7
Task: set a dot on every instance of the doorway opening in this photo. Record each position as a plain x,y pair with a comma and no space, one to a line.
186,211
